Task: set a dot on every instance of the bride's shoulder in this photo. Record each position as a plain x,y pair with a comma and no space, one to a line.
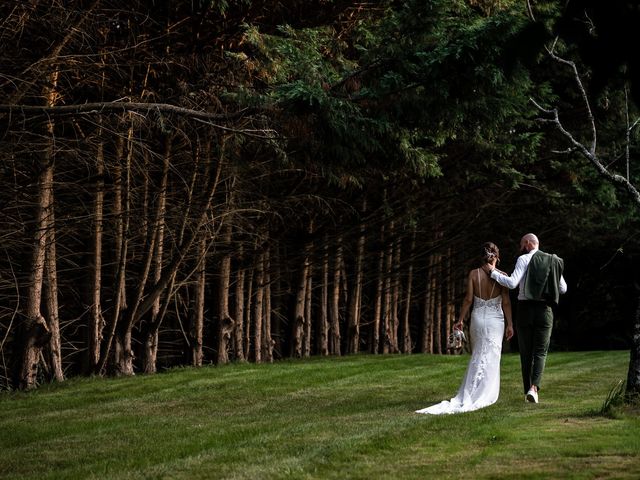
473,272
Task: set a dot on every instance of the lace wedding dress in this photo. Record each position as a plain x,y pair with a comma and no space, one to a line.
481,385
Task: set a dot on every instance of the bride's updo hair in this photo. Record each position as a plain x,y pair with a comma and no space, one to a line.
490,251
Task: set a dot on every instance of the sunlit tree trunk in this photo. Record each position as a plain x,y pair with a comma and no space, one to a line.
53,348
36,332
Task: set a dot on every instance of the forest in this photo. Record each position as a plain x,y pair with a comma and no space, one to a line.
209,181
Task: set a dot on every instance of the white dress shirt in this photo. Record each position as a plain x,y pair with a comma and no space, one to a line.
519,275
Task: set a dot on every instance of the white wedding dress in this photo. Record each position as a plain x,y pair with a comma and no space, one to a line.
481,385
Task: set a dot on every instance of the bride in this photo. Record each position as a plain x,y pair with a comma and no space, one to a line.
491,306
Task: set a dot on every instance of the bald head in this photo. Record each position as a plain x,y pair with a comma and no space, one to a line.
528,243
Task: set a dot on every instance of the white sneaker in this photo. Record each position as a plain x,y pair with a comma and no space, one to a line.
532,396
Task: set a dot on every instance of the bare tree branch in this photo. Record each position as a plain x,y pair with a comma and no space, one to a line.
588,153
583,93
141,108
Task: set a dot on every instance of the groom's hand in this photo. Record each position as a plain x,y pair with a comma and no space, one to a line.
488,268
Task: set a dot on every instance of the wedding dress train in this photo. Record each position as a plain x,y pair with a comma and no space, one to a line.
481,385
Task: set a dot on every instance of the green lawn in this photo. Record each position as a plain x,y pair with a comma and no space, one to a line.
346,417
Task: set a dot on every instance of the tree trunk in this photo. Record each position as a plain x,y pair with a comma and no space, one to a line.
299,320
197,322
258,312
122,353
334,311
248,309
300,312
355,300
450,295
277,305
96,321
387,341
407,346
54,348
377,309
225,322
34,332
307,313
429,308
396,294
437,324
323,328
238,332
267,340
150,332
196,328
121,217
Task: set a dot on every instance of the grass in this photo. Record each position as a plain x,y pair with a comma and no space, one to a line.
341,418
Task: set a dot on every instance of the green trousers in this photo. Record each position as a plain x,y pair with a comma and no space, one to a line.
534,326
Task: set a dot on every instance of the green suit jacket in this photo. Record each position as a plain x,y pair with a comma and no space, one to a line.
543,278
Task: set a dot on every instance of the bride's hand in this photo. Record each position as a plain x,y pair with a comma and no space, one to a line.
457,326
508,332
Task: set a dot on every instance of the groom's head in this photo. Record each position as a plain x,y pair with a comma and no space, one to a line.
528,243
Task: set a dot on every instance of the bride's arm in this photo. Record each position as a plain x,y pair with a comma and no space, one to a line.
466,303
506,308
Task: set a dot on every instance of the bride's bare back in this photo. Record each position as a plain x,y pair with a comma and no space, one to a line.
484,286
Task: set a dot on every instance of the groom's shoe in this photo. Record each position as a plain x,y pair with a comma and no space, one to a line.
532,396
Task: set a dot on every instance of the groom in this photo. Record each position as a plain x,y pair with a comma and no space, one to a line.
540,281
